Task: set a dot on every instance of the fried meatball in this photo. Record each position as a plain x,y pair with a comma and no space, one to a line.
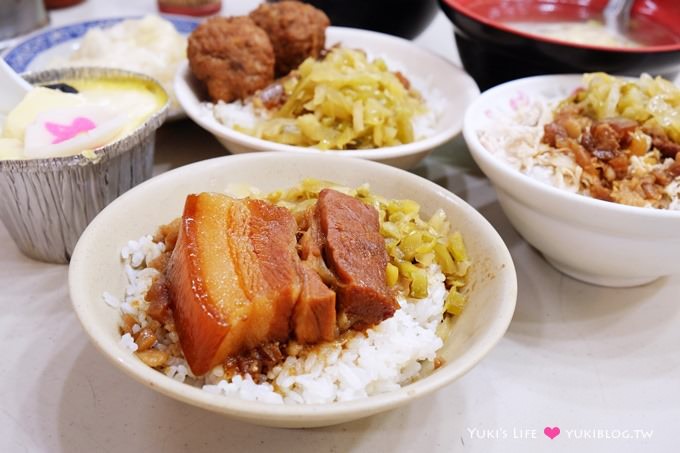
232,56
296,30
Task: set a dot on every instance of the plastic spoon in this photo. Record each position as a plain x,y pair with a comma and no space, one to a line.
12,88
617,16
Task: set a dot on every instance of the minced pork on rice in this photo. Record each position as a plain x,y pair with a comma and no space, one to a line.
515,136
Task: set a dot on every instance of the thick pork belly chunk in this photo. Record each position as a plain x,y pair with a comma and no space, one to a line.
355,251
263,237
233,277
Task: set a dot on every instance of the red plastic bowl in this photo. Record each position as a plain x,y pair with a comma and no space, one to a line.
492,51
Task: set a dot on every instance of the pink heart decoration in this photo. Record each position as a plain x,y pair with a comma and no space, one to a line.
551,432
63,132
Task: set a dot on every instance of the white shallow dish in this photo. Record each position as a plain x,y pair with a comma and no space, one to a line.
595,241
455,89
38,50
96,267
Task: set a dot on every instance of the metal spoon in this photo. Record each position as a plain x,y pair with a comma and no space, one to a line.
617,16
12,88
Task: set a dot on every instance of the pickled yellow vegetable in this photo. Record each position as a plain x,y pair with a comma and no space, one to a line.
455,302
418,288
444,258
344,101
647,100
392,273
456,247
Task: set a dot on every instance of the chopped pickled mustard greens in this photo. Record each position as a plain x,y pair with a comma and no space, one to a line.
343,101
455,303
456,247
392,273
444,259
412,243
652,102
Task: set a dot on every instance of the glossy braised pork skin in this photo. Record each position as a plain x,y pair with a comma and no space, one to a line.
235,281
232,278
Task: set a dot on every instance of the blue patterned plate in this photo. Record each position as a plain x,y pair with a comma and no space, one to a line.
39,49
30,53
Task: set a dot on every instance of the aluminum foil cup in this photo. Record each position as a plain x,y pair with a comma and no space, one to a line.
47,203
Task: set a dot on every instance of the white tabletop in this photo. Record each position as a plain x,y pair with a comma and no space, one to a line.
600,364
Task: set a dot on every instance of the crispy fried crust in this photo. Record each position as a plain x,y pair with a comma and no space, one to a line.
232,56
296,30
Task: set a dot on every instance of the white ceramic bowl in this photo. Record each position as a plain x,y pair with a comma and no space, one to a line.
454,88
96,267
591,240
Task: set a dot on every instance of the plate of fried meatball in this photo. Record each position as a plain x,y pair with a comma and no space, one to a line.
283,79
236,56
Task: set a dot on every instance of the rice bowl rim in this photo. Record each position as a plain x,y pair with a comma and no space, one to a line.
303,414
500,94
186,96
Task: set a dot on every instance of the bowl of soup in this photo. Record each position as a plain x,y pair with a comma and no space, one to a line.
506,40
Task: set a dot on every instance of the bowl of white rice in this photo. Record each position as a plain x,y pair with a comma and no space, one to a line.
446,90
358,381
595,241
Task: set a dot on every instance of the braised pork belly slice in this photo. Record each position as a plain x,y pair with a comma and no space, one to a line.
314,318
262,236
354,250
236,284
233,277
311,245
